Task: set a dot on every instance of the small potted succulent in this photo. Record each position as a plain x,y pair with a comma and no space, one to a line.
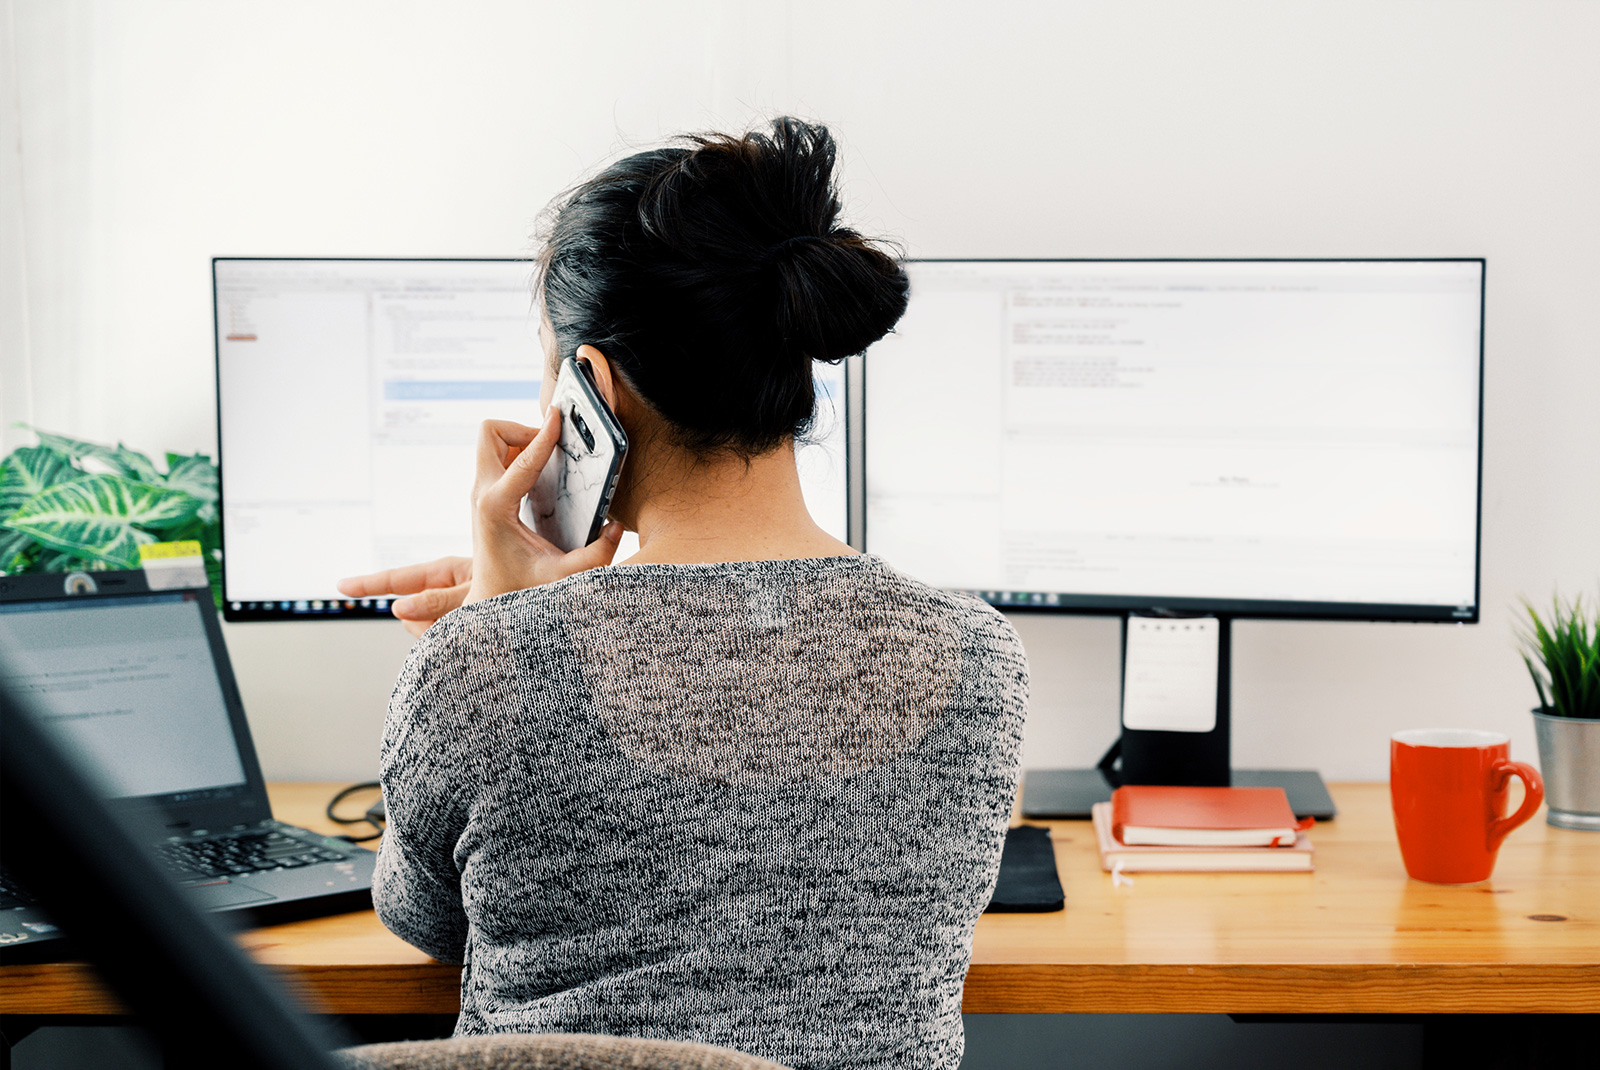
1562,653
67,505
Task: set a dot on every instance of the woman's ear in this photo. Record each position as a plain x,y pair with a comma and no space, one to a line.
603,379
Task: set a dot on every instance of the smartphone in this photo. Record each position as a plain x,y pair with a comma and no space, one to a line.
568,504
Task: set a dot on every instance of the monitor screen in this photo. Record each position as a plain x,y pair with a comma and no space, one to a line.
130,689
349,398
1267,438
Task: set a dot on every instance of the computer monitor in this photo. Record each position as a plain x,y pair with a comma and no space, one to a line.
349,396
1233,438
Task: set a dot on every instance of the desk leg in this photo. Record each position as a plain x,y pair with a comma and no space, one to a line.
14,1029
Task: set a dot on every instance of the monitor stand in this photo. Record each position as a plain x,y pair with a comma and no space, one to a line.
1067,794
1149,757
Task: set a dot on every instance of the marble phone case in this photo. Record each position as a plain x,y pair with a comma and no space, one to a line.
568,504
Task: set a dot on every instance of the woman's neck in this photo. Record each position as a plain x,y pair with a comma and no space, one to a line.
690,510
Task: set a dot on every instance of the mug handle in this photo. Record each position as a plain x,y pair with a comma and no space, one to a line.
1502,771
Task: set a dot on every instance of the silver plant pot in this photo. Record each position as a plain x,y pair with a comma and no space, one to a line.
1569,761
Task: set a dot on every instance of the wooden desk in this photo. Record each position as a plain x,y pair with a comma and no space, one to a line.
1356,936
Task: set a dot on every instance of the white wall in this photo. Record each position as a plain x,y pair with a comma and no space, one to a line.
155,135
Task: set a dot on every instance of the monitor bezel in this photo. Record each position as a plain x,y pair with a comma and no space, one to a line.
1264,609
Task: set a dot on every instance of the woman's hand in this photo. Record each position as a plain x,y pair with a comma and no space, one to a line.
512,556
433,589
507,555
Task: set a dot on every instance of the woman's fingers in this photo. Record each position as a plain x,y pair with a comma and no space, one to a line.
508,555
389,581
521,471
597,553
430,605
499,442
431,590
409,579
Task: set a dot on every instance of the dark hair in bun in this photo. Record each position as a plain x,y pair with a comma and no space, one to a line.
712,273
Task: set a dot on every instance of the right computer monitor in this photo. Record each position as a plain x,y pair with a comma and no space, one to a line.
1183,439
1288,438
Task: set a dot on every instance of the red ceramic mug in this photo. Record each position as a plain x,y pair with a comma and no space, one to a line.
1450,788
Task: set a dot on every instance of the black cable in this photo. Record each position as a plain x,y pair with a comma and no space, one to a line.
373,816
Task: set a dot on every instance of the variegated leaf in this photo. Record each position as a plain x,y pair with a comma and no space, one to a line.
28,471
195,475
102,517
12,543
55,561
119,458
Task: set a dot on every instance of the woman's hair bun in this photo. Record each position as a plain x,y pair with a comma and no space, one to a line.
837,295
713,272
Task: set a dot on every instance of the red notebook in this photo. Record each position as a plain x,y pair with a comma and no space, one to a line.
1115,858
1158,816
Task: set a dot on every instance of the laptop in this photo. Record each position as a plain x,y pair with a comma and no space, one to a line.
135,685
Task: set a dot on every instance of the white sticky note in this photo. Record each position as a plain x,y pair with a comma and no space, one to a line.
1169,681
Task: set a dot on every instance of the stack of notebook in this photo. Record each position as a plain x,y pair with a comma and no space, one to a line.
1146,829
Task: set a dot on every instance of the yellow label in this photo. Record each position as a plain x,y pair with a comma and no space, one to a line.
181,548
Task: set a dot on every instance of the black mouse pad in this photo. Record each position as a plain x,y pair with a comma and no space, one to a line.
1028,882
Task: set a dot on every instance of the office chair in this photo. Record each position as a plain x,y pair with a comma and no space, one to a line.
549,1051
176,968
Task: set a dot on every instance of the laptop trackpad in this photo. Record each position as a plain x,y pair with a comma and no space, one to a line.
218,896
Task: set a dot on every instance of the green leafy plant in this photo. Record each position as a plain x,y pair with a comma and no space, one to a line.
68,505
1563,657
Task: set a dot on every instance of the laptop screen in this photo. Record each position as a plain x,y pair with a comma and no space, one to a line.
128,686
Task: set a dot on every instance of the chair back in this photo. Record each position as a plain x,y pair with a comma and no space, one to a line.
549,1051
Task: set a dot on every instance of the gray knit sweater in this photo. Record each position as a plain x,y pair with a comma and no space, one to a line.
756,804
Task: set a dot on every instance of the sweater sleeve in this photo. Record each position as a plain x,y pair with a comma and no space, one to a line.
416,889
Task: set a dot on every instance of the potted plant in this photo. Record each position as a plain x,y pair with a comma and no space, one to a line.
1563,656
67,505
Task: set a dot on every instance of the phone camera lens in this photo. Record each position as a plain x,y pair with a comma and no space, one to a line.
583,430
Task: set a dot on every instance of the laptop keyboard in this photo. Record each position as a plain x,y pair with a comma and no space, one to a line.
200,860
232,856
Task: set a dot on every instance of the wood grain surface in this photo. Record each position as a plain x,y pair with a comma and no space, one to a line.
1355,936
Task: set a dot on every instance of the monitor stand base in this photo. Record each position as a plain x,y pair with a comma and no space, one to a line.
1056,794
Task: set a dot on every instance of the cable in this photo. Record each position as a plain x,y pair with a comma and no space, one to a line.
373,816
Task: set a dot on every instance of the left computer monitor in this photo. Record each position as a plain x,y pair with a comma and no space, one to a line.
349,396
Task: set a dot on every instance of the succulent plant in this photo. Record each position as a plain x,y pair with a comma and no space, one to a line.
1563,657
